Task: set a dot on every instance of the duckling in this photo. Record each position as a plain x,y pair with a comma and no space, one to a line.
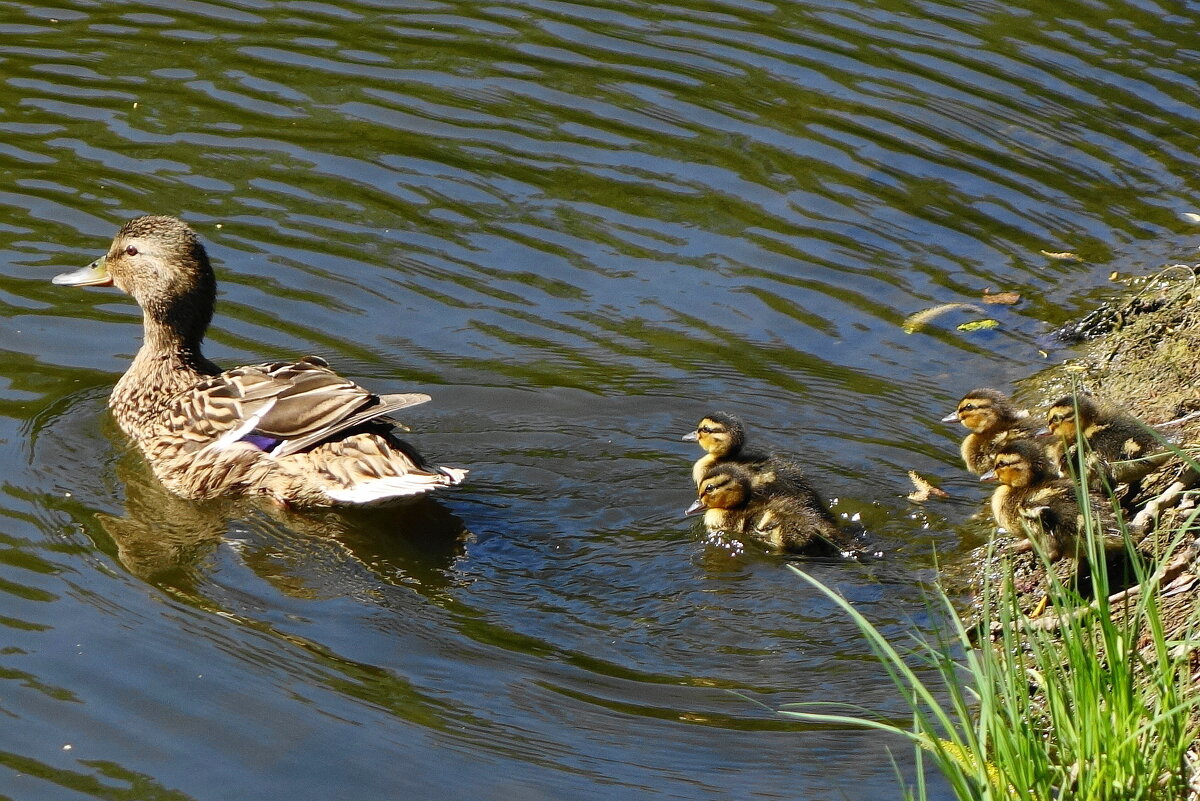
726,497
993,421
782,522
295,432
1122,448
723,437
787,523
1032,500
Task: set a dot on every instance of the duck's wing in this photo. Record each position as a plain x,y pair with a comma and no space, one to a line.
285,407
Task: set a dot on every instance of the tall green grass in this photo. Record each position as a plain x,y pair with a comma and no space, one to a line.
1098,710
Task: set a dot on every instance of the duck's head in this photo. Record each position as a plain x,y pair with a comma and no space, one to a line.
160,263
1019,464
726,486
1068,413
983,409
719,433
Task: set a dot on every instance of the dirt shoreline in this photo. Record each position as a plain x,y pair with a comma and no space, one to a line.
1142,351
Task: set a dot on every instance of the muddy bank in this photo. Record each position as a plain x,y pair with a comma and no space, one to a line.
1142,351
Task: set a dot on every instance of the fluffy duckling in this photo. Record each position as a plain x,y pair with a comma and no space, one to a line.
726,497
782,522
295,432
1032,500
789,524
723,437
1122,448
993,421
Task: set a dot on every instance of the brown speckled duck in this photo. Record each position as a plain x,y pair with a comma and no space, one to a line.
295,432
993,421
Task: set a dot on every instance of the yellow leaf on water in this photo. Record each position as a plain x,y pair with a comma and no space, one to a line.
979,325
925,490
916,322
1005,298
1064,255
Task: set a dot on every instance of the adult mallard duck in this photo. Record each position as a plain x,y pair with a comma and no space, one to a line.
993,421
295,432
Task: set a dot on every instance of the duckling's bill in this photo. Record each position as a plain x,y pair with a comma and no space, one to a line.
696,507
95,274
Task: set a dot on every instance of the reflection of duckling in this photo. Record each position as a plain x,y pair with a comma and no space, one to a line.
783,522
993,421
1125,450
723,436
1033,501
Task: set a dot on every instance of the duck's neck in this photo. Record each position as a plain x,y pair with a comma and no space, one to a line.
168,363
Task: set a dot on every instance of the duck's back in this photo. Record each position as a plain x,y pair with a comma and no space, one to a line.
788,523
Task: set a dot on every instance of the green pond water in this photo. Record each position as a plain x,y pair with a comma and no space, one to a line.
579,227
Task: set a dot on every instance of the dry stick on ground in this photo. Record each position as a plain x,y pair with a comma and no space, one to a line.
1164,575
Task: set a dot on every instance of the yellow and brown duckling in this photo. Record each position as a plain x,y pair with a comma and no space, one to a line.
731,505
1033,501
1122,449
726,498
723,437
993,421
787,523
295,432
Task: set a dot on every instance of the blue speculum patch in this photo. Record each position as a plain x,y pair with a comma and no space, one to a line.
261,441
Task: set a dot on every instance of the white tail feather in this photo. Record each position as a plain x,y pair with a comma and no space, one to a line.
378,490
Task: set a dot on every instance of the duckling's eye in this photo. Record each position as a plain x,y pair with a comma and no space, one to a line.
967,408
131,251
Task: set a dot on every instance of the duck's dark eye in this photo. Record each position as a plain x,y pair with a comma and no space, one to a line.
131,251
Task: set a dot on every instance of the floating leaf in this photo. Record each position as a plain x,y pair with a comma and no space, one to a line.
1191,216
1005,298
925,490
917,321
979,325
1064,255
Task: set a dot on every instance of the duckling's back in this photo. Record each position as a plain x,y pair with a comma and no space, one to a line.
789,523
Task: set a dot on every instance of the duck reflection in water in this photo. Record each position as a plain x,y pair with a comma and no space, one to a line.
170,541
